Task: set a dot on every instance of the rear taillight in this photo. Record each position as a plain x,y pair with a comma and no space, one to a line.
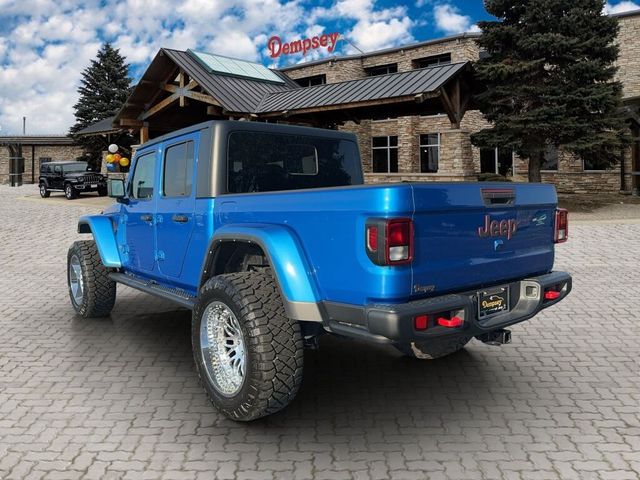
561,229
389,241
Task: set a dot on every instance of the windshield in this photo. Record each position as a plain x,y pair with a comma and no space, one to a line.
75,167
265,162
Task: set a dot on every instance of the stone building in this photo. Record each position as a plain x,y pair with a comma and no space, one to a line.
35,150
432,147
411,108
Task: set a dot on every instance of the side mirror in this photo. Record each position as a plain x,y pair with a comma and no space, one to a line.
115,189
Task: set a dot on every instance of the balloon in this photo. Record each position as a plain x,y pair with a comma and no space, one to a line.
111,167
117,157
124,161
109,158
113,148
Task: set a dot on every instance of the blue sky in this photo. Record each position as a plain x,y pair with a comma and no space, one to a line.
45,44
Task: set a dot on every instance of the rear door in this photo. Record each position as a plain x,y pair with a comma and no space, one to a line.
140,245
472,235
176,203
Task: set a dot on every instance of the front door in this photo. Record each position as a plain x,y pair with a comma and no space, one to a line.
140,245
176,204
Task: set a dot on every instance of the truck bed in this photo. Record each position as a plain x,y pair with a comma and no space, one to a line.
466,235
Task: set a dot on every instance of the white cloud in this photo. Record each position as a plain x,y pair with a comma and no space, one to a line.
621,7
375,28
46,44
449,19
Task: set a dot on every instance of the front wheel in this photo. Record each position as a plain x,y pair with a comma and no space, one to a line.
434,348
92,292
70,192
102,191
44,193
248,354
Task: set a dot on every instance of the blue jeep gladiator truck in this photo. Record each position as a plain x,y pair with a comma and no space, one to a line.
267,233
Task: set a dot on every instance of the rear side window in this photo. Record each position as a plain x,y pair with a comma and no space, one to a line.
264,162
178,170
143,179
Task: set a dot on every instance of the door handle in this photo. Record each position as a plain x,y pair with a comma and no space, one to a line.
146,218
180,218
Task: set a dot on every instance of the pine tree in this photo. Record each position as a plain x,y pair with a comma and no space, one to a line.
548,80
104,87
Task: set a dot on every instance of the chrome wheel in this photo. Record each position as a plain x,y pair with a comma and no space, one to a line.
43,190
75,280
222,348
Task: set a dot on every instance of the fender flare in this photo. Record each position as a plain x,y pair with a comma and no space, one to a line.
293,273
101,228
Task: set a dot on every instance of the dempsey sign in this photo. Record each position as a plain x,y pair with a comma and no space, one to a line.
277,47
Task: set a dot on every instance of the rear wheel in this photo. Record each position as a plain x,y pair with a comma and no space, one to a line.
70,192
44,193
92,292
248,354
435,348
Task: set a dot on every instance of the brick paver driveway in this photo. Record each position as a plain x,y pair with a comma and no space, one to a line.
118,397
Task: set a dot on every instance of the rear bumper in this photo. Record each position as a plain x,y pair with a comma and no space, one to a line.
395,323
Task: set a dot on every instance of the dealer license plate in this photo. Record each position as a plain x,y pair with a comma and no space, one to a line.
493,301
94,185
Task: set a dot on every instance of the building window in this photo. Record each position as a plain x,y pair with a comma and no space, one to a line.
382,69
550,161
384,153
496,160
595,162
311,81
429,152
432,61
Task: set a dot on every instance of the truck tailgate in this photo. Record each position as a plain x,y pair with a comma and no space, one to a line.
473,235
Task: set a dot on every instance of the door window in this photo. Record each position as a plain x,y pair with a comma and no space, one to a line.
57,169
144,176
178,170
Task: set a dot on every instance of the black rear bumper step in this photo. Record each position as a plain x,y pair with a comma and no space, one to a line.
174,295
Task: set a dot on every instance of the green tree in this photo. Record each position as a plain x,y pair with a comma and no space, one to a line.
104,87
548,80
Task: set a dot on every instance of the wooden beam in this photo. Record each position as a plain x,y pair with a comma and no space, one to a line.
161,105
202,97
130,122
449,108
144,134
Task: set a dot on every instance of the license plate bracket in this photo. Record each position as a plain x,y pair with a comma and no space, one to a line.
493,301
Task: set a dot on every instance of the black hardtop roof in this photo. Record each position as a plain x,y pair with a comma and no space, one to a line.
236,125
64,162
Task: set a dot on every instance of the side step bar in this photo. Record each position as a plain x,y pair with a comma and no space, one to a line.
172,294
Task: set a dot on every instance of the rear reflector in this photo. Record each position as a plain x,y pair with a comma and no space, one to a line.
452,322
561,228
372,238
551,295
421,322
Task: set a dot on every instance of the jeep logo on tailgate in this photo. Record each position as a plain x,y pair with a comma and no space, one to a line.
495,228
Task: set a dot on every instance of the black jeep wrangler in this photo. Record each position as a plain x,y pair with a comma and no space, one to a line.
71,178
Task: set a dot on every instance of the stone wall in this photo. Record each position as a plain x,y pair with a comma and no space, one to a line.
54,152
629,57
